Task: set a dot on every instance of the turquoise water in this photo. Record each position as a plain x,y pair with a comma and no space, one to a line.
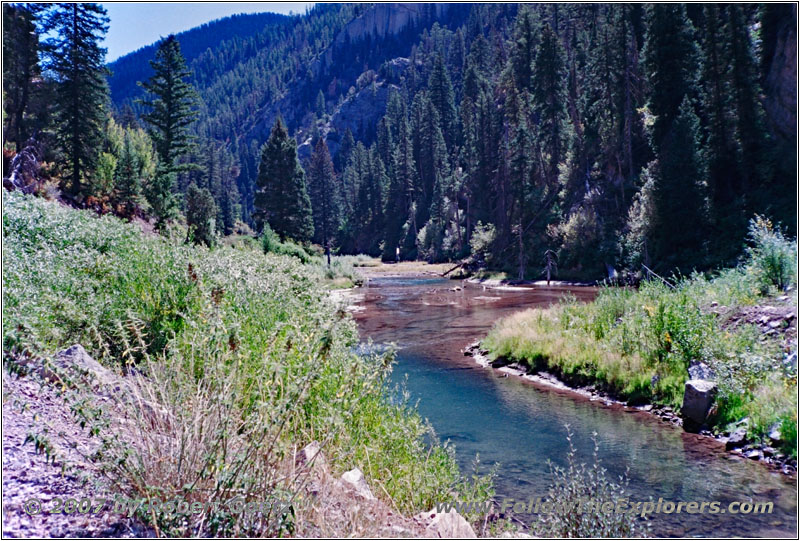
511,422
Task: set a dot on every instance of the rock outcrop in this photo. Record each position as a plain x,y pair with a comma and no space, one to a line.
359,113
384,20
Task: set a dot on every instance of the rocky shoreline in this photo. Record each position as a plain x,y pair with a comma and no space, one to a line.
736,441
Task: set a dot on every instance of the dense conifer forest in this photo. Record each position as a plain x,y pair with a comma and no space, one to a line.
613,137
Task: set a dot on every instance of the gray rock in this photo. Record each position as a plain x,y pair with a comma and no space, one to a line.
312,456
75,362
356,480
449,525
753,454
790,361
698,396
700,370
737,439
775,434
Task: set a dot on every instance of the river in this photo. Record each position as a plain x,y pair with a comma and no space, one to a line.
521,426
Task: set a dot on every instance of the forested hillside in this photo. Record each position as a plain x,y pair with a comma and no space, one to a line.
610,136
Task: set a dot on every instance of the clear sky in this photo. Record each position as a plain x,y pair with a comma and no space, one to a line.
135,25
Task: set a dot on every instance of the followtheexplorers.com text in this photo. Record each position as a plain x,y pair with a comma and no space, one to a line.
588,505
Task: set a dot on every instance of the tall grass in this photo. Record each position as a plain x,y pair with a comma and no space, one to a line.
231,360
639,344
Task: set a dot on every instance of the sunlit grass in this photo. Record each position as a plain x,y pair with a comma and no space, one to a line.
242,355
638,344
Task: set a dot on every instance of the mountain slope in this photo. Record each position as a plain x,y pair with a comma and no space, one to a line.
127,70
250,68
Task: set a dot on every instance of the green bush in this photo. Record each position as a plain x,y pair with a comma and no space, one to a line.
573,488
788,428
271,244
773,258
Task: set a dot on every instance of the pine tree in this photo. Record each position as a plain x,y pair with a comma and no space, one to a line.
20,67
161,197
281,198
345,149
320,104
400,219
172,105
750,132
128,180
440,91
324,196
524,48
201,214
549,98
671,64
681,216
78,64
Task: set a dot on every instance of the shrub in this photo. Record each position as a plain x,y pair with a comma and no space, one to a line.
271,244
773,258
482,241
572,487
788,428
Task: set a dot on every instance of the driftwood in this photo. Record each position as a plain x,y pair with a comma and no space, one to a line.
463,263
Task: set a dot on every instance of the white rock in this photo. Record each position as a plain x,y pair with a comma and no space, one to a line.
356,480
449,525
312,455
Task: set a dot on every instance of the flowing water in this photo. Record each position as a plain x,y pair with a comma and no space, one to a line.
521,426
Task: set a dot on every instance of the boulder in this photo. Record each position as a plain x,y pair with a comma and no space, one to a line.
449,525
753,454
75,362
357,482
737,439
698,396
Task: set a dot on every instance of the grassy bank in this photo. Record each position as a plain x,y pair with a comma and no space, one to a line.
638,344
239,358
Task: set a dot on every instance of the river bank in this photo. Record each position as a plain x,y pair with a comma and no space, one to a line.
722,351
735,443
521,426
629,379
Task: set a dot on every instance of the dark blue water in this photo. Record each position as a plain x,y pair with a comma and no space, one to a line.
520,426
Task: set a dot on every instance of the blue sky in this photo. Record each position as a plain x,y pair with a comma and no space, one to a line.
135,25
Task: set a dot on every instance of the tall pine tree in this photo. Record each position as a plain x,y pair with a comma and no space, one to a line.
20,67
281,199
172,103
324,196
78,64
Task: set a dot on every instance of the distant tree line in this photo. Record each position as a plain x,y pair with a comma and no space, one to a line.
605,135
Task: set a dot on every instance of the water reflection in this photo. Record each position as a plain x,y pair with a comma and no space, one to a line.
521,426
